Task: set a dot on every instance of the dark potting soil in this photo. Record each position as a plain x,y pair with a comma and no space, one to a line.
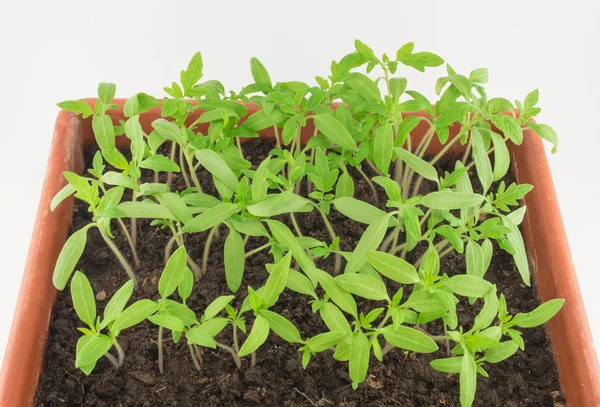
528,378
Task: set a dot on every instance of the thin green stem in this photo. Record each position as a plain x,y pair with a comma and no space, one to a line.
120,352
193,172
238,142
296,227
371,185
120,256
112,360
258,249
130,239
236,345
160,350
172,156
467,151
398,248
453,141
194,358
236,358
395,240
373,167
338,257
408,172
383,247
186,179
277,141
209,239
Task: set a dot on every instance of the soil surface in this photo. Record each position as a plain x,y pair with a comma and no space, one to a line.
528,378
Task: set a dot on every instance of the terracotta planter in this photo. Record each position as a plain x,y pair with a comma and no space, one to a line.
543,232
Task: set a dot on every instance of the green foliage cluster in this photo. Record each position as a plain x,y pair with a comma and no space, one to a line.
371,127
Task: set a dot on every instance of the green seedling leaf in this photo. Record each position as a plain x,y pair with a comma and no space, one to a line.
482,161
104,132
358,210
404,129
501,352
78,107
261,120
410,339
176,205
501,157
383,142
181,312
211,217
106,92
186,284
520,256
342,298
217,306
217,167
334,318
90,349
168,130
418,165
345,186
258,335
510,196
286,238
393,267
364,86
546,132
299,283
84,301
260,183
200,336
145,210
274,205
167,321
509,126
369,241
138,104
418,60
277,281
539,315
469,286
235,259
447,365
171,275
214,326
324,341
160,163
201,201
448,200
424,301
193,73
468,380
134,314
282,327
63,194
259,73
116,178
117,303
363,285
68,257
359,359
335,131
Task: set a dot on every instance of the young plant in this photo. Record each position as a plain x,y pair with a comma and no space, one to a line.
101,333
370,132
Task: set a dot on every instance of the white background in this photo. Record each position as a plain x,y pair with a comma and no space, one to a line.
52,51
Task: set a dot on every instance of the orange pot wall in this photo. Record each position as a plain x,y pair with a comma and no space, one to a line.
543,232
